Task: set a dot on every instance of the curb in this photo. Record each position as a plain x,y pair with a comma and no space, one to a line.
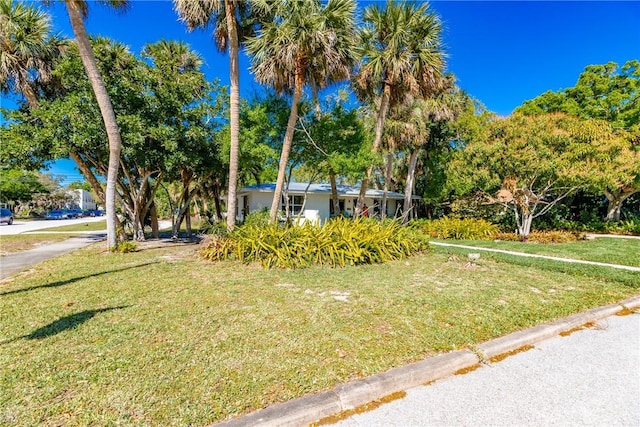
345,397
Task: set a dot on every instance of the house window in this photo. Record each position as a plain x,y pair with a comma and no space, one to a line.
295,204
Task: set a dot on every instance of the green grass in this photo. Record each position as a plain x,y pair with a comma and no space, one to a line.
159,337
22,242
81,226
603,249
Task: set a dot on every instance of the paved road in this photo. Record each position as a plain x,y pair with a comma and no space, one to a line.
591,377
21,226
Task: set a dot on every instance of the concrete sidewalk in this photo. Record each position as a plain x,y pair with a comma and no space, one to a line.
528,255
16,262
345,399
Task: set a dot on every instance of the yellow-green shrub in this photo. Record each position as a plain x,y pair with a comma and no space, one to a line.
457,228
337,243
542,237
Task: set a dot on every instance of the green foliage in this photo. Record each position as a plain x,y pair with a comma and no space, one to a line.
17,185
606,92
258,218
215,228
457,228
124,247
337,243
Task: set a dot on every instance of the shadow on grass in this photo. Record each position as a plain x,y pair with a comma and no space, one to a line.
73,280
67,322
63,324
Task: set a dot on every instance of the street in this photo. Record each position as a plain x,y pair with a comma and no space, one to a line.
591,377
21,226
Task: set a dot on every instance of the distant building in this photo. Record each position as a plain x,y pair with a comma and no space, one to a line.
81,199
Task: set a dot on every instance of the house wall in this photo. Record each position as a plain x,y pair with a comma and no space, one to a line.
317,207
82,199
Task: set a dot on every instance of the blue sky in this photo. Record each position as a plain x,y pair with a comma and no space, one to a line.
502,52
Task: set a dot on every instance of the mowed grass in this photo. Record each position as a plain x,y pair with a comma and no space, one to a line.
80,226
612,250
23,242
159,337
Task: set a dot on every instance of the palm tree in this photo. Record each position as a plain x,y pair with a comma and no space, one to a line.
401,55
229,31
78,11
304,43
27,51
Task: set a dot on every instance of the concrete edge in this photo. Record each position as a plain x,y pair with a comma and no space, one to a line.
312,408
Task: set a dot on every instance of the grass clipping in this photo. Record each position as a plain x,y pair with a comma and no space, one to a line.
337,243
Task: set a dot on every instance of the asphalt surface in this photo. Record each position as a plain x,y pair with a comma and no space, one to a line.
591,377
16,262
21,226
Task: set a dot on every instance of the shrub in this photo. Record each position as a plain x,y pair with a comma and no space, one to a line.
543,237
124,247
457,228
337,243
258,218
214,227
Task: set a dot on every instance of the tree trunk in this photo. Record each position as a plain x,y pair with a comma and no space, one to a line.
32,97
408,190
387,182
216,202
155,229
108,115
384,108
334,194
615,199
286,149
234,111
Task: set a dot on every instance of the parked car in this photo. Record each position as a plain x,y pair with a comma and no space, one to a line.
92,212
75,213
57,214
6,216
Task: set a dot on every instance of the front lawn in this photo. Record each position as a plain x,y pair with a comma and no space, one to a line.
160,337
22,242
80,226
612,250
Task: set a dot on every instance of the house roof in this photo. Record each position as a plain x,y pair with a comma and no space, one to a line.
343,190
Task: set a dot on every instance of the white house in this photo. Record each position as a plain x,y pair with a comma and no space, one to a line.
81,199
318,205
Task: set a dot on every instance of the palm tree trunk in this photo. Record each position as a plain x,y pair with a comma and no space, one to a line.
234,111
286,149
408,190
387,181
377,141
108,116
32,97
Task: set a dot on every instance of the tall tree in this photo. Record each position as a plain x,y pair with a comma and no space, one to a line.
530,163
28,51
229,32
401,55
303,44
608,92
78,10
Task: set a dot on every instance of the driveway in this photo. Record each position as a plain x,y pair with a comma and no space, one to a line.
16,262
